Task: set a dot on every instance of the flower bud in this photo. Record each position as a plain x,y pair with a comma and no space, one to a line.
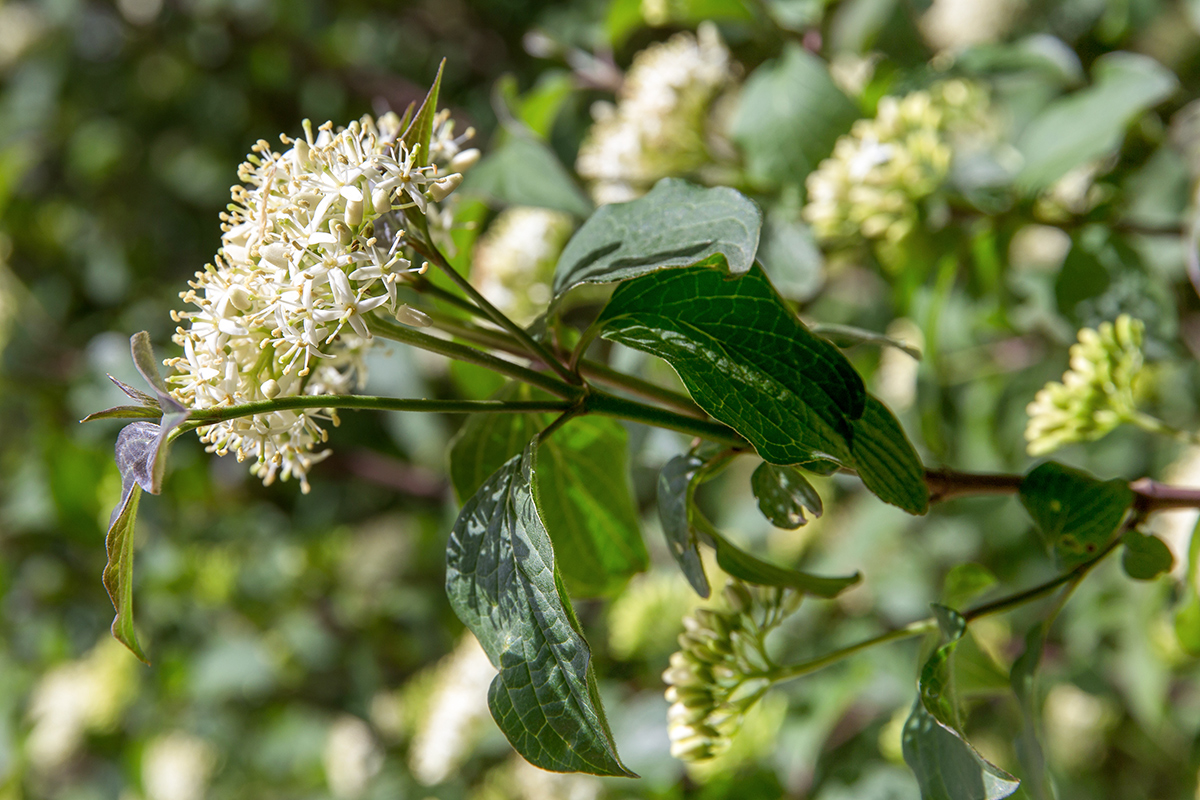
444,187
407,315
275,254
270,389
738,597
465,160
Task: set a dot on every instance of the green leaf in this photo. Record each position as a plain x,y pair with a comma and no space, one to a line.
1076,512
886,461
946,766
742,565
783,494
419,133
539,107
1187,618
1091,122
1145,557
675,492
965,582
790,115
118,572
503,582
745,357
587,504
791,257
486,441
125,412
525,172
1028,744
674,225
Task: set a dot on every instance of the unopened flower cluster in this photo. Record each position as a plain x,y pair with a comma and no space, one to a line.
1096,393
515,259
872,184
659,124
310,247
722,669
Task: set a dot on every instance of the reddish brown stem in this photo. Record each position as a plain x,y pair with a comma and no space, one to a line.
1149,495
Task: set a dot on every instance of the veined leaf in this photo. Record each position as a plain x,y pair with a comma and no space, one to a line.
1076,512
673,225
783,494
886,461
503,583
745,358
582,480
675,496
946,766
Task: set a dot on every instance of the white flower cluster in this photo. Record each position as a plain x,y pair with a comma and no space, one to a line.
310,246
658,126
515,259
878,172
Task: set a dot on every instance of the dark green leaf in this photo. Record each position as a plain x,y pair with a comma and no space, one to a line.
419,133
1076,512
783,494
503,583
582,481
525,172
675,224
1028,744
885,459
946,766
675,492
1090,123
745,358
790,115
742,565
1145,557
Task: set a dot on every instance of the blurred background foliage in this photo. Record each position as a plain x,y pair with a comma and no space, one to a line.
1034,176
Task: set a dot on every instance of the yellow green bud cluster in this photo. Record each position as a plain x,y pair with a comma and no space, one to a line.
1096,393
878,173
722,669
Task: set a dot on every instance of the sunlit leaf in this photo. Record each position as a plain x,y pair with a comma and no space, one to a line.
419,133
504,585
675,224
783,494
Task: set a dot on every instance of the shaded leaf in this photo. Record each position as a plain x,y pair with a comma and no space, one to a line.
1145,557
886,461
673,225
1091,122
783,494
503,583
946,766
789,117
745,357
125,412
147,400
675,493
1187,618
1076,512
740,564
118,572
1028,743
486,441
525,172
